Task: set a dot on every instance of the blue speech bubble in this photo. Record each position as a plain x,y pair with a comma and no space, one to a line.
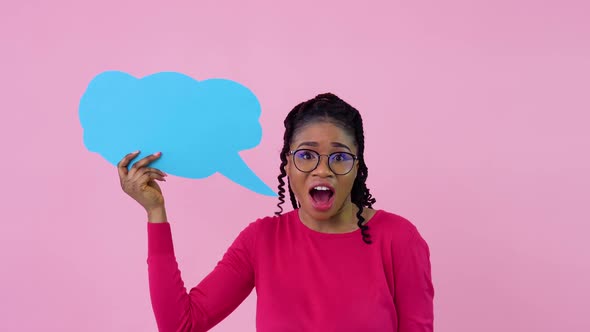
200,126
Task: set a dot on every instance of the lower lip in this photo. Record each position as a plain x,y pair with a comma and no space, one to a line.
321,206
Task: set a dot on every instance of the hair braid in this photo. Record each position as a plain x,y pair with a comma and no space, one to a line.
282,184
284,152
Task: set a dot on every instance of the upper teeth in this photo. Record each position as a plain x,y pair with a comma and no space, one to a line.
321,188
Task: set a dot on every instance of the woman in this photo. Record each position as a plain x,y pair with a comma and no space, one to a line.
331,264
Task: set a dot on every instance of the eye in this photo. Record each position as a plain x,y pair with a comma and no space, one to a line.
341,156
304,154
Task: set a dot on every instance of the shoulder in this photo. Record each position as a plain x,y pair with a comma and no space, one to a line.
268,228
400,232
396,229
269,223
392,223
259,228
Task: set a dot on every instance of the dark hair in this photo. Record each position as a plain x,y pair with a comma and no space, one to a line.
328,107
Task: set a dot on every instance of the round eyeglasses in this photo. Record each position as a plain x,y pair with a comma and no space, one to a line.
340,163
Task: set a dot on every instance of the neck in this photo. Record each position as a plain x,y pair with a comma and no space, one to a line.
343,221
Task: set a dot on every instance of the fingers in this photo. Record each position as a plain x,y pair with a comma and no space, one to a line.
123,168
149,176
144,170
144,162
141,178
138,175
122,165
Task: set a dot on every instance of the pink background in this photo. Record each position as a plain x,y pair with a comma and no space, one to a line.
476,119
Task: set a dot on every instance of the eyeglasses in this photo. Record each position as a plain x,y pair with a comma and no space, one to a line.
340,163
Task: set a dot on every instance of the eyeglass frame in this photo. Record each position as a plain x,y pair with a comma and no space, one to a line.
354,158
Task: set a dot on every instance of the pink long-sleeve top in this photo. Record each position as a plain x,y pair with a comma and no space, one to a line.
304,280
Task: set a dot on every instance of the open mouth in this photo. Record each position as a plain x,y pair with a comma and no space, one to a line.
321,197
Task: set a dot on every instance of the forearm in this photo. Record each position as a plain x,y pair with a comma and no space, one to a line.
414,289
169,297
213,299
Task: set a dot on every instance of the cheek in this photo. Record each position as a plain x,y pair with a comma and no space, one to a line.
292,175
348,183
297,180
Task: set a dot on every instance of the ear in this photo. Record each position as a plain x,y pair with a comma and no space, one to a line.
356,170
288,167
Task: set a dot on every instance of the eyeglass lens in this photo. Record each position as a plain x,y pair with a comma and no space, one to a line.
339,162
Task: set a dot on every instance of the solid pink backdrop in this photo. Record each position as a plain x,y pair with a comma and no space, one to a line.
476,119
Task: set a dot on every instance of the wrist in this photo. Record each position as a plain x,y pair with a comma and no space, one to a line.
157,215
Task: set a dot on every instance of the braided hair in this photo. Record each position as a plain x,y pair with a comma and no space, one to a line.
328,107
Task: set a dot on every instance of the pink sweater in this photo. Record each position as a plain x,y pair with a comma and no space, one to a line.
304,280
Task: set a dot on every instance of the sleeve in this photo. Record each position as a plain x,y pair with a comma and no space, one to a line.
414,292
213,299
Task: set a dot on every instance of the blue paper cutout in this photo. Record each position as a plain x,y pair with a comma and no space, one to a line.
200,126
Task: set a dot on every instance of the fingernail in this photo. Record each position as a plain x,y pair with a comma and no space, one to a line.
157,153
135,152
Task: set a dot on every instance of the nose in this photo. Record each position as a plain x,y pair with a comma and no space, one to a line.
323,168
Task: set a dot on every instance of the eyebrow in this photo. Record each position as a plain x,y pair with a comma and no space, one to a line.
315,144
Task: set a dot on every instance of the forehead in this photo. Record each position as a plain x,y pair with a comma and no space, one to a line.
323,133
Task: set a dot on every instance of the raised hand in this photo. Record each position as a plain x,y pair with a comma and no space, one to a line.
139,181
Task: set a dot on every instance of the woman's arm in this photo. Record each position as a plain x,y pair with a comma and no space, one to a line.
212,299
414,292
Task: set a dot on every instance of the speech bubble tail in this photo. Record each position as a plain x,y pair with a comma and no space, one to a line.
235,169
